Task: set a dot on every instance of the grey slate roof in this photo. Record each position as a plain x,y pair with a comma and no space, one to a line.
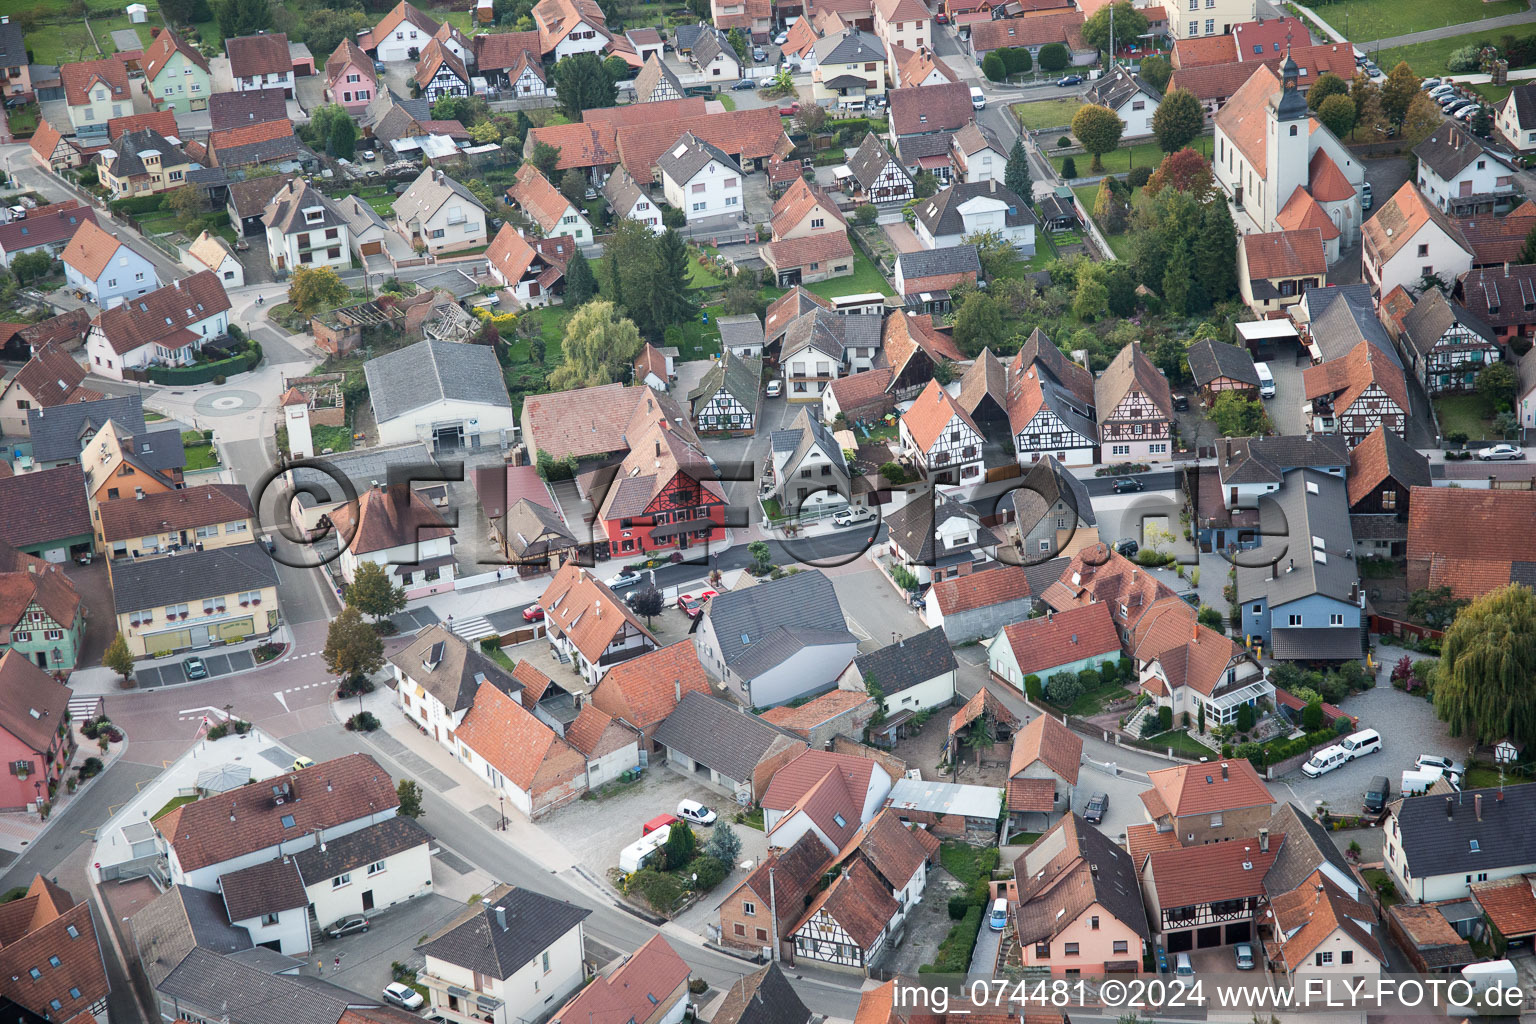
1211,360
762,997
712,42
869,161
458,669
954,259
218,986
913,528
744,618
819,328
1450,148
130,147
1432,316
1524,98
252,106
739,376
532,530
428,193
622,192
739,331
905,663
143,584
264,152
361,848
686,37
251,196
13,46
915,147
1437,845
803,434
1288,543
365,466
1306,848
265,888
1042,574
689,155
58,433
286,210
1047,483
498,944
412,378
1111,874
1252,460
178,920
360,216
940,213
720,734
1114,89
850,46
1342,316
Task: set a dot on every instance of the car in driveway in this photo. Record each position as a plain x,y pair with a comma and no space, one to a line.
774,389
1242,954
1365,196
1500,452
533,613
1126,547
852,516
403,996
1442,763
696,813
1128,484
194,668
622,580
1067,80
347,926
781,39
1098,806
759,54
745,83
692,605
978,99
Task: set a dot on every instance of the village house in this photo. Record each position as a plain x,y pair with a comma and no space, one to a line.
978,154
810,237
106,268
1212,894
874,175
44,229
1275,269
1441,549
224,594
1042,773
401,34
644,690
437,677
1460,174
534,277
165,327
827,794
350,78
1194,670
393,527
95,91
820,346
261,62
699,179
1051,405
1208,803
650,986
1408,239
1131,98
1445,345
628,200
55,934
1135,408
941,440
587,622
978,604
555,215
933,537
440,72
1504,299
210,252
305,229
176,73
49,516
142,163
1068,642
774,895
715,743
914,674
1217,367
199,518
519,755
726,400
440,214
1438,849
34,738
52,377
968,208
41,615
806,469
850,68
1353,395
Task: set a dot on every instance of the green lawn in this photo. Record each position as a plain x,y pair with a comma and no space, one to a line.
23,120
171,804
336,439
1183,744
968,864
1373,877
1046,113
1429,58
499,656
1092,702
201,455
1379,19
1120,244
1465,414
67,39
1143,154
1487,776
727,101
1493,93
866,278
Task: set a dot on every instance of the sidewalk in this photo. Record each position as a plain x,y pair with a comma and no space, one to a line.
22,829
101,681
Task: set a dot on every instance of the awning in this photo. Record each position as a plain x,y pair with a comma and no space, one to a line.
1322,643
683,526
1242,695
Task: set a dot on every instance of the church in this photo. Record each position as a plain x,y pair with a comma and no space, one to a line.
1282,168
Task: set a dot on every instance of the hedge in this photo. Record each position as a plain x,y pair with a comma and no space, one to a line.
954,953
202,373
138,204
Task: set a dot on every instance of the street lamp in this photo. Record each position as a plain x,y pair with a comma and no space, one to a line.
501,807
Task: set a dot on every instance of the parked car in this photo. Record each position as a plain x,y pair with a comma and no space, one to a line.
1182,968
1444,764
774,389
403,996
622,580
301,762
745,83
1127,547
1376,795
1501,452
1467,113
1325,761
1457,104
195,668
378,66
853,515
692,605
1180,403
695,812
348,926
941,18
978,99
1365,195
1066,80
1098,804
997,920
533,613
1429,83
1127,484
790,110
759,54
368,154
781,39
1243,954
1358,744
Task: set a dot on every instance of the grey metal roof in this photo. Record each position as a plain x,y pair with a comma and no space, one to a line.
689,155
1251,460
738,331
738,376
940,213
143,584
1313,505
217,987
509,929
367,466
415,377
850,46
1433,315
907,662
1211,360
428,193
59,432
720,734
954,259
741,618
361,848
1439,845
178,920
1342,316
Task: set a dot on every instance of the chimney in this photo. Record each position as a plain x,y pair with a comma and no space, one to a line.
1224,776
1477,805
1450,809
501,918
1263,840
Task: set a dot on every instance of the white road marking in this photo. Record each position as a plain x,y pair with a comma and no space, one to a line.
279,695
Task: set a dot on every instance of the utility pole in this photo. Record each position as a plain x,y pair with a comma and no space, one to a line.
1111,35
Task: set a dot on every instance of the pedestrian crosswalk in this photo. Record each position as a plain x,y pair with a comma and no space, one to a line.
473,629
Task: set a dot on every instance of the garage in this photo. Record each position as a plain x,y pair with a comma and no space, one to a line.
1241,932
1205,938
1181,942
374,248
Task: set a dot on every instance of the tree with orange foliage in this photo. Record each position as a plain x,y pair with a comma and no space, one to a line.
1186,171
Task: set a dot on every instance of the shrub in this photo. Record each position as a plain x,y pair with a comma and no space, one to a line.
1032,687
958,905
710,873
1063,143
1312,716
1139,176
661,891
1245,718
1165,718
352,686
1149,727
363,721
1088,679
1069,168
954,953
91,767
1063,689
698,986
1464,59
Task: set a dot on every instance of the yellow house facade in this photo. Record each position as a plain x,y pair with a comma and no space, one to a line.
199,518
194,600
141,163
850,68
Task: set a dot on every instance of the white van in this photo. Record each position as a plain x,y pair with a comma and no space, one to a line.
1358,744
1324,761
998,919
1266,380
1416,781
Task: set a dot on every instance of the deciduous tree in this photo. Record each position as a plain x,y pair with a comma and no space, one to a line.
1156,71
352,646
1327,84
373,592
312,289
582,84
1098,129
118,657
1186,171
1178,121
598,343
1487,659
1337,113
1237,415
546,158
979,324
1401,87
1130,25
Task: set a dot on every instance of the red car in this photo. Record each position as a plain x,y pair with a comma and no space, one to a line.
942,18
789,111
533,613
693,604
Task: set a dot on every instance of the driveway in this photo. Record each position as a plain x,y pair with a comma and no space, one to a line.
392,935
1290,395
903,237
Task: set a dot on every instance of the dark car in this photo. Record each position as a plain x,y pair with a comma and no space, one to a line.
1098,804
1180,403
1127,484
1377,794
1127,547
745,83
1066,80
347,926
194,668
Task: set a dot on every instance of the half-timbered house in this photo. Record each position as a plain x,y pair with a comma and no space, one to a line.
1217,367
664,494
849,923
441,73
1355,394
913,349
1384,469
940,439
1135,408
984,395
1446,346
877,177
1207,895
1050,405
725,402
588,624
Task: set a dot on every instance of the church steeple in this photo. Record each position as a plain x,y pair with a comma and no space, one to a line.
1292,105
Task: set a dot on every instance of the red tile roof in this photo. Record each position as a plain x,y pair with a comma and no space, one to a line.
248,134
797,203
750,134
387,517
1193,875
1301,212
633,991
90,249
863,395
858,901
980,589
56,927
169,511
519,746
79,78
823,709
401,12
495,51
534,194
1031,796
1285,254
265,54
1351,376
796,779
1468,538
917,110
808,251
163,312
587,612
1060,638
1510,904
643,691
1065,28
330,793
1199,51
1144,838
166,43
28,579
1313,911
931,413
162,122
1205,788
1046,741
1325,181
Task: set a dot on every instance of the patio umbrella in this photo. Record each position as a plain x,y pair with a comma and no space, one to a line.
223,778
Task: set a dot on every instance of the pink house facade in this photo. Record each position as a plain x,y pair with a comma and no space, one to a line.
350,78
35,741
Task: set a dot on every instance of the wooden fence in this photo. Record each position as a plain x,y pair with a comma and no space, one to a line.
1399,628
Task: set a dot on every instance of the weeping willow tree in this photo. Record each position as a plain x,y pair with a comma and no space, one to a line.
1482,685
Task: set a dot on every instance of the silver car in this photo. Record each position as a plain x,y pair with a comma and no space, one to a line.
1501,452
